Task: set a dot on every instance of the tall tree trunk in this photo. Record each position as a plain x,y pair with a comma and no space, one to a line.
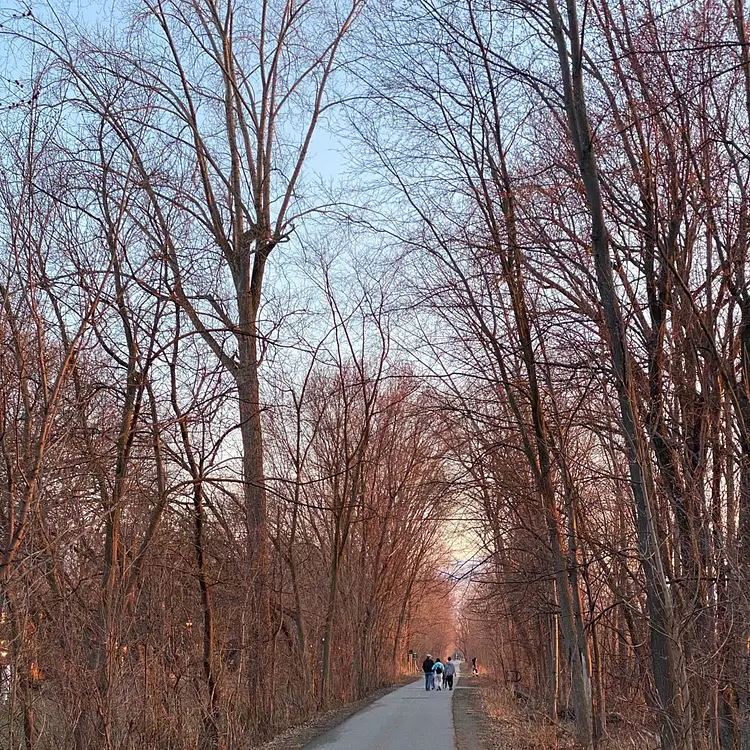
22,663
325,679
538,446
254,494
554,668
212,730
670,674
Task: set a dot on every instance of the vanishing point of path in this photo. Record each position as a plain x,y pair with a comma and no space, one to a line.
409,718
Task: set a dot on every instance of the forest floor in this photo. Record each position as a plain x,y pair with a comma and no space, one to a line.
487,717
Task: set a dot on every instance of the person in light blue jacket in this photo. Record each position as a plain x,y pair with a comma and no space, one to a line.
438,670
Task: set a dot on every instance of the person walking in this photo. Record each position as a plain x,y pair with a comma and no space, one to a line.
449,672
438,670
429,675
474,669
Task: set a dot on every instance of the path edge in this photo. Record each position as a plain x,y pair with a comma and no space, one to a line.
299,736
470,723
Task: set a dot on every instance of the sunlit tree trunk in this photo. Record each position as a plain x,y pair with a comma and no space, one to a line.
668,659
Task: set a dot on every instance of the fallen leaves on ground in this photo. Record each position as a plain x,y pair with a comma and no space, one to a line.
515,726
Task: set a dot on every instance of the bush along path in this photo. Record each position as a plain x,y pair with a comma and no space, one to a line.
488,716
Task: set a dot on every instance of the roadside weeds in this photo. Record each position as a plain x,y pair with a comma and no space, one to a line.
488,717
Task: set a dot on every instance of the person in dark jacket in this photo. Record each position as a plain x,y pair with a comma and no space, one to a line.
450,670
429,675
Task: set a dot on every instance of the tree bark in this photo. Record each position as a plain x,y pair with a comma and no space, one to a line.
668,662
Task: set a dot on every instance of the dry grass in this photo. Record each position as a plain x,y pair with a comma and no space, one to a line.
525,727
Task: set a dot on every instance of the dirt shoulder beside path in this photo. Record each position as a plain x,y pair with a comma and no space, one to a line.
472,725
297,737
486,717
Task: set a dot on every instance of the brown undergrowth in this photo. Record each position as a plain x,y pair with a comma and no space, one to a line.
522,725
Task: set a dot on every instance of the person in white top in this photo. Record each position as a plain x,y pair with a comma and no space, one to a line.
438,670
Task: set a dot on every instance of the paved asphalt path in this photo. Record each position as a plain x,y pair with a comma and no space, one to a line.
409,718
